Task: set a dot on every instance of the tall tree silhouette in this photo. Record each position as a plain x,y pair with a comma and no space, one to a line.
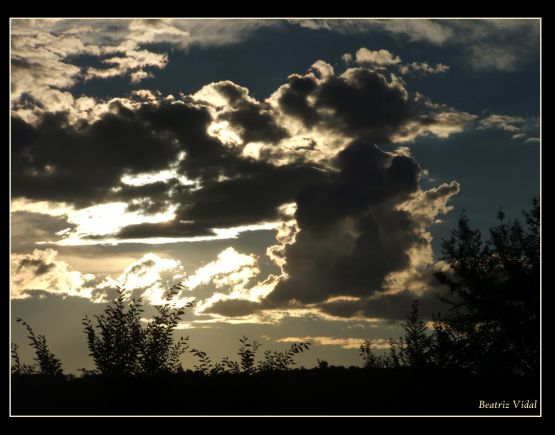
494,293
415,347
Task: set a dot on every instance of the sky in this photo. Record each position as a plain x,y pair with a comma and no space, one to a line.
296,176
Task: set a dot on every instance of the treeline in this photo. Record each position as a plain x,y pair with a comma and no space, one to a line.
490,325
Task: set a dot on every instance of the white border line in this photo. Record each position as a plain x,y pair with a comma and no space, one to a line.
284,18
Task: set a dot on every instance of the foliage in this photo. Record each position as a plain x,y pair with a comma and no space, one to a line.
46,361
279,361
415,348
120,345
247,353
19,368
160,352
493,320
369,359
205,365
273,360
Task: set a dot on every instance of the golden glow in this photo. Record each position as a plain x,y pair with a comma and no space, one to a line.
223,131
230,269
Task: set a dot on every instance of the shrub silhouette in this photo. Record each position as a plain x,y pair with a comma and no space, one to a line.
46,362
369,359
247,353
120,345
19,368
280,361
273,360
413,349
205,365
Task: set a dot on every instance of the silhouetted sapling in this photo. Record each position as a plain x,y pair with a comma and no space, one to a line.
120,345
46,362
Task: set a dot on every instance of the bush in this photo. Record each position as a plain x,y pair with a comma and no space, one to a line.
120,345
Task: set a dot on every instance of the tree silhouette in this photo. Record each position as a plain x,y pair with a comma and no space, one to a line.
46,361
205,365
280,361
369,359
493,320
120,345
415,347
247,353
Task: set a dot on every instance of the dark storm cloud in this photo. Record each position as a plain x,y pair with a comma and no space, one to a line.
164,229
294,99
248,198
39,266
387,306
252,197
366,176
80,164
350,235
255,124
254,120
148,199
361,102
233,308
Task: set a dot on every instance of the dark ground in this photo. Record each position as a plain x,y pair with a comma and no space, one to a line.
332,391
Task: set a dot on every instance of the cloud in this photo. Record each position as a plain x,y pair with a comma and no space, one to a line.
480,44
347,58
41,270
383,59
48,54
423,68
28,228
364,103
347,224
253,120
520,128
233,308
519,136
133,60
230,270
431,31
149,277
393,307
309,162
378,57
512,124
